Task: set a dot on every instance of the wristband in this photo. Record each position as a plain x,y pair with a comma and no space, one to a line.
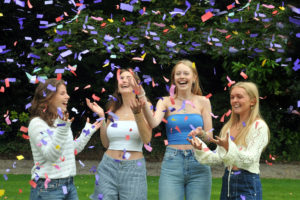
141,95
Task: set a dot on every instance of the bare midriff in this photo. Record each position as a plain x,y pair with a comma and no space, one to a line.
119,154
181,146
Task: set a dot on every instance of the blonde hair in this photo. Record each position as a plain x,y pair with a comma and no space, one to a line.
196,86
252,91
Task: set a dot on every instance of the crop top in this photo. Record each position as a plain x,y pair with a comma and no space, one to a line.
124,135
180,125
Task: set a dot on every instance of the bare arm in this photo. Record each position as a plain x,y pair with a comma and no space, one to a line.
144,129
97,109
207,121
154,120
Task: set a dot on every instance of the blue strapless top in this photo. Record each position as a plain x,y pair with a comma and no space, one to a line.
180,125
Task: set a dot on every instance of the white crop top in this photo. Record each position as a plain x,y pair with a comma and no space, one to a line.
124,135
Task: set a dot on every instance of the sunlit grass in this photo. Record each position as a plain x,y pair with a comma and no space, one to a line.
17,187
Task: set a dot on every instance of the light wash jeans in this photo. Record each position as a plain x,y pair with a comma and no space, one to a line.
58,189
242,185
183,176
120,180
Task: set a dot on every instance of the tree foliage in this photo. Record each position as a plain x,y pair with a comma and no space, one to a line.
87,41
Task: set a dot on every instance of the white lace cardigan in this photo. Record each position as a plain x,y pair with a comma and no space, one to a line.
246,158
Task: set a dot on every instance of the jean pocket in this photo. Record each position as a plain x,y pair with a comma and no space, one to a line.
169,155
51,186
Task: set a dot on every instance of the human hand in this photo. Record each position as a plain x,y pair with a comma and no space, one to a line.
195,143
65,117
223,142
138,88
96,124
95,107
197,132
136,105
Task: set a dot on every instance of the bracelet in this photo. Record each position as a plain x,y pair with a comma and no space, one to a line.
135,113
202,137
141,95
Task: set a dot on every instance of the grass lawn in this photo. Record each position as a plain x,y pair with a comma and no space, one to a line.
17,187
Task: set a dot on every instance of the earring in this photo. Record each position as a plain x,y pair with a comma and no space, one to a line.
251,107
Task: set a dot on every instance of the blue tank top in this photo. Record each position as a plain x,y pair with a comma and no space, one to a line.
180,125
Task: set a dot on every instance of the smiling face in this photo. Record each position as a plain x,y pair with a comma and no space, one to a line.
124,82
183,77
60,99
240,101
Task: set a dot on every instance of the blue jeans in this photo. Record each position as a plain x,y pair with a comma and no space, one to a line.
58,189
183,176
120,180
242,185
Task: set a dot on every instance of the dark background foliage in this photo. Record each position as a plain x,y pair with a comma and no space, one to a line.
278,82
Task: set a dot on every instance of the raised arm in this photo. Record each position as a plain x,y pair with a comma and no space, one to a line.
154,120
86,134
144,129
97,109
47,142
207,121
244,157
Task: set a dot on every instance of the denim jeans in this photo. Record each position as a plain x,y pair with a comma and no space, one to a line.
120,180
242,185
58,189
183,176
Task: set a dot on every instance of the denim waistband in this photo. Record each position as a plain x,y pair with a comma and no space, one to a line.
185,152
67,180
127,162
239,171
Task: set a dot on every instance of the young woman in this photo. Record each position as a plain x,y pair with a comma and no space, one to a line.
181,175
52,144
121,173
240,145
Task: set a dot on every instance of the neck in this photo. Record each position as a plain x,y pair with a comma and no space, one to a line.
184,95
244,117
127,98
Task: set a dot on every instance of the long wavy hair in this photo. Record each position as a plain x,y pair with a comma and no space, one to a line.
40,105
196,89
252,91
113,105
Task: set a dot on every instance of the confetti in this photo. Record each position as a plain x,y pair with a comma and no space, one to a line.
147,147
20,157
24,129
166,142
32,183
157,134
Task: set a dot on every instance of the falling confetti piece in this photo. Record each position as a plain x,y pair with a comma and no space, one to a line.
20,157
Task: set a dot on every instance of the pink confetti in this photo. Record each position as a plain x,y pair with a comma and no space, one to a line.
96,98
147,147
24,129
157,135
214,116
166,142
244,75
206,16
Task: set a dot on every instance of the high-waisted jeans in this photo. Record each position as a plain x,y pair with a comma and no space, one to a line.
241,184
120,180
58,189
183,176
